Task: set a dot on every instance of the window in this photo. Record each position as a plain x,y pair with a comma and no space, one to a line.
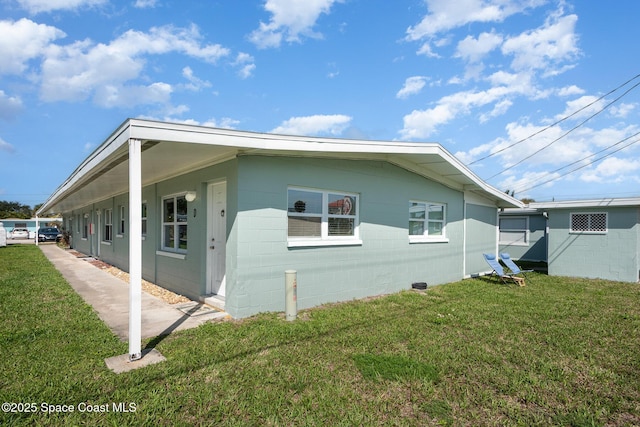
85,226
108,225
514,231
174,224
324,217
427,221
122,219
589,222
144,218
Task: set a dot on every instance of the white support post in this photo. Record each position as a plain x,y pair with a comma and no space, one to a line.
135,249
37,228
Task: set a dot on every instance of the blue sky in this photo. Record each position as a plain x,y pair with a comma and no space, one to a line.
515,89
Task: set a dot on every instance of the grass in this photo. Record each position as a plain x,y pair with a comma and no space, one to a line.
559,351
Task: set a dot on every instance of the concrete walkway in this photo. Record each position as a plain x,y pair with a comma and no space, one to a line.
109,297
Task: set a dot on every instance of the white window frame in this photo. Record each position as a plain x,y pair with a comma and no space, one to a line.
175,224
144,214
425,237
525,230
121,220
85,227
589,231
325,239
108,226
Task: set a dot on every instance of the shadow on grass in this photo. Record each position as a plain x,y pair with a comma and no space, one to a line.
164,334
293,338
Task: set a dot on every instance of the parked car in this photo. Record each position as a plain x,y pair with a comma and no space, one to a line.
20,233
49,234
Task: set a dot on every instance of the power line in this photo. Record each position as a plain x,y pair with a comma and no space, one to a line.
566,133
585,165
555,123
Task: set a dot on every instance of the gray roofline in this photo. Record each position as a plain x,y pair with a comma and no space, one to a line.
587,203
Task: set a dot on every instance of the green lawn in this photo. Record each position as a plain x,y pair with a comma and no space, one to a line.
557,352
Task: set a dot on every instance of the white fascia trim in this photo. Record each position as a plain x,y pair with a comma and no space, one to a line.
591,203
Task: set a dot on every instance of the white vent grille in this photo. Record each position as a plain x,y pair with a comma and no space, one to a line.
589,222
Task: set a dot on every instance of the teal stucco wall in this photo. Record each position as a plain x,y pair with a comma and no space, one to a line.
611,255
257,249
385,261
481,236
536,248
185,275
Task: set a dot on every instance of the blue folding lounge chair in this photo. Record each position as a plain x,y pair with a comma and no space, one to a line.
512,265
493,262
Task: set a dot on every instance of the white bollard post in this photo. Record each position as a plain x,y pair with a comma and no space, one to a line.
291,294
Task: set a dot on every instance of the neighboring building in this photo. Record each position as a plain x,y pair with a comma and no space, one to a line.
11,224
594,238
523,234
224,213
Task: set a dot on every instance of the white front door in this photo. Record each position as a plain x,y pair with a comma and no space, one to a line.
216,237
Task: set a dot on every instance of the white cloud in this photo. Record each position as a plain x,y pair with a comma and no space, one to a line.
590,103
145,4
412,86
314,125
195,84
10,106
246,71
23,41
246,64
547,148
5,146
37,6
84,69
612,170
420,124
622,111
445,15
500,108
544,48
110,96
474,49
570,90
224,123
522,183
290,19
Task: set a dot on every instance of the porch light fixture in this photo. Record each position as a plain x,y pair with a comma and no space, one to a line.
190,196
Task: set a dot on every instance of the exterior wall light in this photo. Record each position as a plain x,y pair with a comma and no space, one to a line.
190,196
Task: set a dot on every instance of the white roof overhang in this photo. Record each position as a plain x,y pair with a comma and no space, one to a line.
170,149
